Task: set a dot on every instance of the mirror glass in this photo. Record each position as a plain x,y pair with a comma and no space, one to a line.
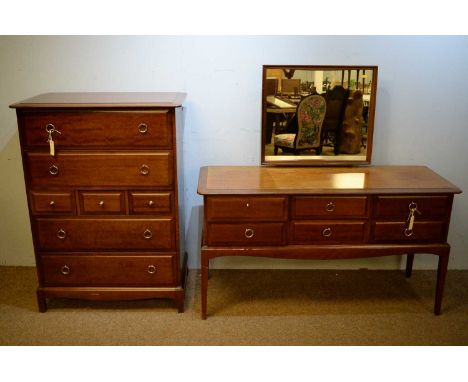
318,115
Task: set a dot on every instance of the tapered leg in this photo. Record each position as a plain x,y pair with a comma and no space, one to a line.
441,273
41,301
204,283
179,301
409,264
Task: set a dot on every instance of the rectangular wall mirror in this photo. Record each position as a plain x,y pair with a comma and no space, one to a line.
318,115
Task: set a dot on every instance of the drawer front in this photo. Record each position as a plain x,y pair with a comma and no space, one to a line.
304,207
323,232
150,202
246,208
111,169
52,202
246,234
107,270
102,202
430,207
423,231
99,128
96,234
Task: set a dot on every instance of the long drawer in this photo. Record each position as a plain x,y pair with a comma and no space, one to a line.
304,207
423,231
98,128
323,232
104,234
107,270
122,169
246,234
398,207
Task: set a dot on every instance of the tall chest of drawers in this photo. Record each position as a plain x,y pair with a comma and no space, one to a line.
106,195
325,213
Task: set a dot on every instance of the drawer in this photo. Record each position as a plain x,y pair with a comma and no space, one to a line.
397,207
246,208
323,232
102,202
107,270
95,234
304,207
246,234
99,128
100,169
52,202
150,202
423,231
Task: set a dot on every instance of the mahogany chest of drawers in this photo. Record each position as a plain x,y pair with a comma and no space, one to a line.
105,197
325,213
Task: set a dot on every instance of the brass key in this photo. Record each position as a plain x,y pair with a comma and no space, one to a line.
51,129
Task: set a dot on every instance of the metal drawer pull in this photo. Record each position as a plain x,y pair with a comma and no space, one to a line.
143,128
101,203
247,205
151,269
330,207
408,232
150,203
327,232
65,270
147,234
50,128
61,234
144,169
53,170
52,203
249,233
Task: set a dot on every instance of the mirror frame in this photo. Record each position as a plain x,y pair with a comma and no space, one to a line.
327,161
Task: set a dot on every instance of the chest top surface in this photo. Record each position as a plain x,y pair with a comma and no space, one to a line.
101,100
333,180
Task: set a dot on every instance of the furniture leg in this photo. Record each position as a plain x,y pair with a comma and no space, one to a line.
441,273
205,268
41,301
409,264
179,301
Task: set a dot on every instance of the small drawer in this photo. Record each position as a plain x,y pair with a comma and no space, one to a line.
102,202
398,207
98,128
246,234
150,202
116,169
107,270
51,202
246,208
322,232
423,231
304,207
104,234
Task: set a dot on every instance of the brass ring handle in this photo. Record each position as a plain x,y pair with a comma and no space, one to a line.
408,232
101,203
413,206
330,207
53,170
143,128
50,128
147,234
249,233
150,203
327,232
52,203
144,169
61,234
65,270
151,269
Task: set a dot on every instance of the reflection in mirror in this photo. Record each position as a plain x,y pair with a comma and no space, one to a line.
318,115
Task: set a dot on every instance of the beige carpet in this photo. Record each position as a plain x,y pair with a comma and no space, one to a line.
250,307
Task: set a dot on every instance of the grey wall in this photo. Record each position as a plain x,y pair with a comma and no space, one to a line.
421,115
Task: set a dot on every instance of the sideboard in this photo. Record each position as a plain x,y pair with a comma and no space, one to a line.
325,213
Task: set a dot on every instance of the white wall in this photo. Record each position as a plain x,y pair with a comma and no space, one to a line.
421,116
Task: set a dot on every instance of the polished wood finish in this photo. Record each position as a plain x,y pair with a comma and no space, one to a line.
107,208
332,213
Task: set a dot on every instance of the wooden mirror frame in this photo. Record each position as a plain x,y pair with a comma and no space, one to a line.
324,160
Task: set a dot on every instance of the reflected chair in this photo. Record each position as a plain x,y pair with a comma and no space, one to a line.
309,118
333,122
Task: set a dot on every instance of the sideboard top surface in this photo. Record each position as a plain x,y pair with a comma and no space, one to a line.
314,180
100,100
